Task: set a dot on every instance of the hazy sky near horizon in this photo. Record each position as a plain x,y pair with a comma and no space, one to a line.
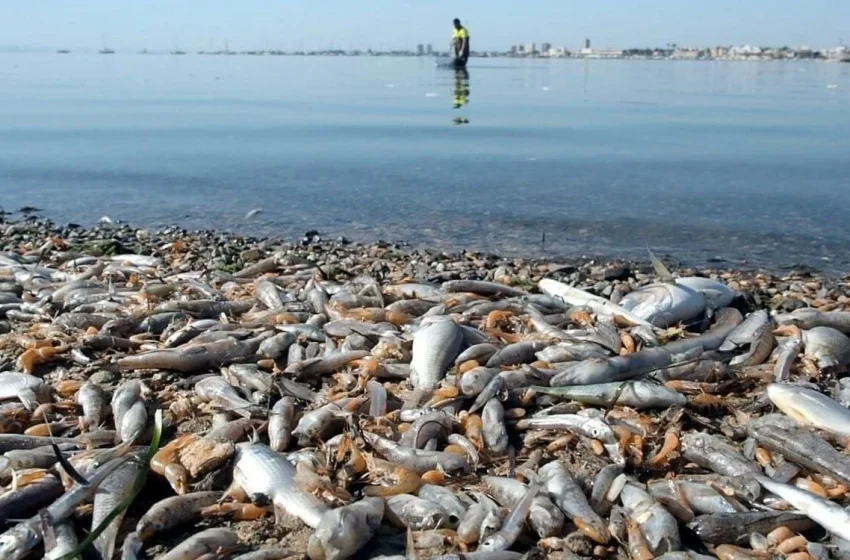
386,24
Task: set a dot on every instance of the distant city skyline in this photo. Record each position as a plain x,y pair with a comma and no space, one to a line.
194,25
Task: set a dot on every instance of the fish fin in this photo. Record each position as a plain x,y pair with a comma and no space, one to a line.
47,529
66,465
411,546
660,269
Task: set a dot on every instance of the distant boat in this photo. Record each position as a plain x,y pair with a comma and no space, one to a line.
63,51
105,49
178,52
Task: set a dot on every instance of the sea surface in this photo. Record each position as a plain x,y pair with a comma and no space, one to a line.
729,163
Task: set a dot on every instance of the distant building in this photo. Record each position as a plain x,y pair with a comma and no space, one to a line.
719,52
514,50
544,47
429,50
530,49
587,52
587,44
420,50
687,53
746,51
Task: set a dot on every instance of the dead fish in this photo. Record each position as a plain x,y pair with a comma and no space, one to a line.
829,347
810,408
665,305
634,394
260,471
408,511
435,346
344,531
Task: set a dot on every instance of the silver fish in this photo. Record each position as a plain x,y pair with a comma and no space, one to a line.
810,408
259,470
665,305
712,453
495,433
207,544
436,344
28,389
634,394
112,491
512,527
786,353
658,526
281,423
544,517
755,333
829,347
588,423
825,513
717,294
566,494
344,531
808,318
599,305
415,513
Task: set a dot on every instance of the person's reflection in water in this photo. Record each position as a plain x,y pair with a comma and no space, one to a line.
461,92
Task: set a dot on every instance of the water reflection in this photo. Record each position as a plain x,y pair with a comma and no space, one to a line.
461,88
461,93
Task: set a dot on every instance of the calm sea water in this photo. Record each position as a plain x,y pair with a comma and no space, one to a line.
698,160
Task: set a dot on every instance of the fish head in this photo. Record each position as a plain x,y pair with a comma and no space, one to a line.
494,543
596,428
16,544
489,525
338,535
647,301
803,318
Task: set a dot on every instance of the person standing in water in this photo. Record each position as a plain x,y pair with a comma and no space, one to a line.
460,43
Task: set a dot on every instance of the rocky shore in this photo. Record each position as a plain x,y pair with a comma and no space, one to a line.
333,400
225,252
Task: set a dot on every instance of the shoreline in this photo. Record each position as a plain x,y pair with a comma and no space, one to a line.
553,250
226,253
216,339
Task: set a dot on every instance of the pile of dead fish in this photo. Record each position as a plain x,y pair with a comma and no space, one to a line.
327,402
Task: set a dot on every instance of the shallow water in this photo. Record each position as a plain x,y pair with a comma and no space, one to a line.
699,160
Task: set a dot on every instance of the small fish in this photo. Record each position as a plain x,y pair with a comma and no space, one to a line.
634,394
829,347
512,526
344,531
710,452
495,433
260,471
408,511
658,526
577,297
210,543
566,494
436,344
810,408
588,423
825,513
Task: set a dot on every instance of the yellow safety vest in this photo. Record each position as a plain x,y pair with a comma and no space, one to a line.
461,33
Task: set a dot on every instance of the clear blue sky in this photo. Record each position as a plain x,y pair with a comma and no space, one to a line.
493,24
